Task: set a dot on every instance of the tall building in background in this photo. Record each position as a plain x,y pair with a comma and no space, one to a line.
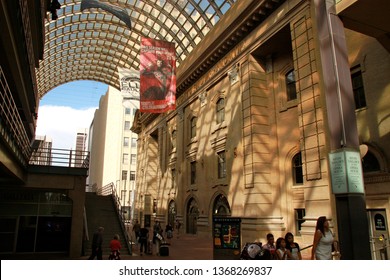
81,146
113,147
41,150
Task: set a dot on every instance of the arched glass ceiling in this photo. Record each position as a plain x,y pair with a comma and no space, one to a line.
91,44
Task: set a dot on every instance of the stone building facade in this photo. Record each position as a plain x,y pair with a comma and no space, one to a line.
253,128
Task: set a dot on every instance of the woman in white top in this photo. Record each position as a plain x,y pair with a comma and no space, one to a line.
323,240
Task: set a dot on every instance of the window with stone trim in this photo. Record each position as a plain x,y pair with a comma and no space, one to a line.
291,89
299,219
358,88
297,170
220,110
173,139
193,172
193,127
221,164
173,175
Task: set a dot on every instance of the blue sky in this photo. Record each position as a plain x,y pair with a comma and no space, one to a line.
77,95
67,109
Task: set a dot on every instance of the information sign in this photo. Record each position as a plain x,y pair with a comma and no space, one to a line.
346,172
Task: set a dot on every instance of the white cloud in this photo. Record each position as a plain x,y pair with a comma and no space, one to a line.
61,124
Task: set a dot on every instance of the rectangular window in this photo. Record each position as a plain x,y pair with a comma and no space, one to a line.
297,169
123,197
173,178
124,174
125,141
193,127
193,172
299,219
125,159
127,125
127,111
132,175
133,159
290,86
221,164
358,89
220,110
133,142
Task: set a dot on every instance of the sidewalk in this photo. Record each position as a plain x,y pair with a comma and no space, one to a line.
186,247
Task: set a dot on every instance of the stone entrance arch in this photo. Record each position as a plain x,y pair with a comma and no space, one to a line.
192,216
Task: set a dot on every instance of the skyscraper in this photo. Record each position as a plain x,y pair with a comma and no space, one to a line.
81,140
114,147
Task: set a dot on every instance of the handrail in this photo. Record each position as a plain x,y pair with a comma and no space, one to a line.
110,189
59,157
15,132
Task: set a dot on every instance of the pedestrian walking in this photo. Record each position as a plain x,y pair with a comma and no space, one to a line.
97,242
143,240
322,241
177,226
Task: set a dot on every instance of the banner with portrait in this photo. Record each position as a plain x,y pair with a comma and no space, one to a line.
157,76
129,83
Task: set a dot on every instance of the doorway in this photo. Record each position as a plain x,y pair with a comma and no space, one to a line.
192,216
379,235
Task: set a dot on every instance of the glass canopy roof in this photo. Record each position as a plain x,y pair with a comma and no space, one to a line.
89,44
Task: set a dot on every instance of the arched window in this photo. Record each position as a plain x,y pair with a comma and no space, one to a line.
221,206
297,171
193,126
290,86
370,163
220,110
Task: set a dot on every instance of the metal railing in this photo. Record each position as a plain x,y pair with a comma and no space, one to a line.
110,189
12,129
59,157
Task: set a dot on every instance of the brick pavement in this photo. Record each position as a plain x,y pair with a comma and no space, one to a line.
186,247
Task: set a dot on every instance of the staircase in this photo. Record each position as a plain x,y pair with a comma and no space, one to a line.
101,211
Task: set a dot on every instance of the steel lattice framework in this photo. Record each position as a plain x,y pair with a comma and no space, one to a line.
91,44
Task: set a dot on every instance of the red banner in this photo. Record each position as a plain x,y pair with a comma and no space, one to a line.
157,76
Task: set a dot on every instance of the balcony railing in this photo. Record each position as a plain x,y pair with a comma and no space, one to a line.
11,125
60,157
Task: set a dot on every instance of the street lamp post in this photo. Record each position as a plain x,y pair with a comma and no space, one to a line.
344,157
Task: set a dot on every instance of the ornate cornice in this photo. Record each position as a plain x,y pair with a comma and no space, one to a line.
237,23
